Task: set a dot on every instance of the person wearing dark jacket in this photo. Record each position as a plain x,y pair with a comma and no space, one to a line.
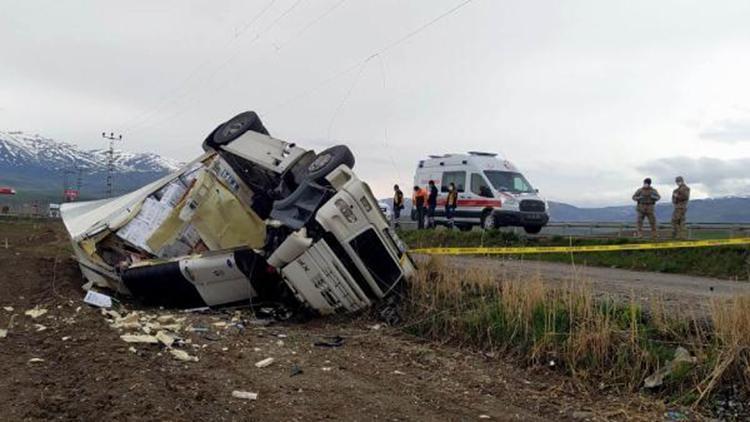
451,202
398,205
431,204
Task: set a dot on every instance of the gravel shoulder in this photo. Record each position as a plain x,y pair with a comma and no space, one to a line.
688,293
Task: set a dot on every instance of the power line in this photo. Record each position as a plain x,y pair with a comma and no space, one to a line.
346,97
378,52
166,98
217,69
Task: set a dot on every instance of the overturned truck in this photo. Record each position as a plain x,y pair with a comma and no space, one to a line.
254,219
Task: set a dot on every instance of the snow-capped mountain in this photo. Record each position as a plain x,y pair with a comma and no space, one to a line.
42,166
21,149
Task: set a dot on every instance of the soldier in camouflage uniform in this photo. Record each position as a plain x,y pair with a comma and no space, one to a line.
646,198
680,198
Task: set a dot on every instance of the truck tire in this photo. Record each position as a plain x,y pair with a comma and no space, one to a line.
234,128
328,160
488,221
532,229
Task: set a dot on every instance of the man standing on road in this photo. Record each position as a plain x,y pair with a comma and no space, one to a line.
431,204
398,205
418,199
646,197
451,202
680,198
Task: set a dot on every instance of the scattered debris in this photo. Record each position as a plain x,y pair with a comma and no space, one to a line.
326,369
674,415
681,357
183,355
334,341
8,308
165,338
264,363
139,338
583,415
296,370
40,327
245,395
397,372
484,416
132,349
36,360
36,312
375,327
97,299
3,333
66,338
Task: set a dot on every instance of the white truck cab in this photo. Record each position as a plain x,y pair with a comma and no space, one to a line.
492,192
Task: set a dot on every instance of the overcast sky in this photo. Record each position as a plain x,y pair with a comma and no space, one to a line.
586,97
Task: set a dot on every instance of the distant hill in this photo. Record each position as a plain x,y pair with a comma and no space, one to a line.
712,210
38,168
715,210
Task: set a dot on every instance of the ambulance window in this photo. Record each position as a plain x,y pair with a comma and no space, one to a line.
456,177
479,186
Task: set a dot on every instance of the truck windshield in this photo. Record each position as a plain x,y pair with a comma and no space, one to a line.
508,181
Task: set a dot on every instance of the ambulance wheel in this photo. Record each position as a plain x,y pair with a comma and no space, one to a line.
328,160
532,229
489,222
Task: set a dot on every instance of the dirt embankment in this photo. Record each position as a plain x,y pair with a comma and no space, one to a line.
69,364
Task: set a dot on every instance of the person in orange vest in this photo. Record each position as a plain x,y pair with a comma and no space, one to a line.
418,201
451,202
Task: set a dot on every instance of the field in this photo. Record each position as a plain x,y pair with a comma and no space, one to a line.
70,364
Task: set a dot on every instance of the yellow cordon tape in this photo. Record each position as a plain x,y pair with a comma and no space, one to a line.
584,248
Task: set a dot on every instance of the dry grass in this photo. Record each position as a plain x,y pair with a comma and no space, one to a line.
619,344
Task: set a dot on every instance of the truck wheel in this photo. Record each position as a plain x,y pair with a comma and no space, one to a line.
236,127
488,221
328,160
532,229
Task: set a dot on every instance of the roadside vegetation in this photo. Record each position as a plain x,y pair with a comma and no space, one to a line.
607,344
728,262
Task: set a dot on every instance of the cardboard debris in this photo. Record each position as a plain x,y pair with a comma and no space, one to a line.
183,355
681,357
36,312
165,338
245,395
108,313
165,318
97,299
139,338
264,363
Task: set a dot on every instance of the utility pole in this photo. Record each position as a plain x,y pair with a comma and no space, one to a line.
111,159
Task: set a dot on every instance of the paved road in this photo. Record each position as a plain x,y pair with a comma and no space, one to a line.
687,293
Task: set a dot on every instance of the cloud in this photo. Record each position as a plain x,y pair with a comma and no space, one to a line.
727,130
714,176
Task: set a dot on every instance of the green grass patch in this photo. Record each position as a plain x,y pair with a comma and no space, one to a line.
728,262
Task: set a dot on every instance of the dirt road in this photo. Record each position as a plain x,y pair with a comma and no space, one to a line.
70,364
677,290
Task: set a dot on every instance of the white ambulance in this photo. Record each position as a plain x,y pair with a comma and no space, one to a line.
492,192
